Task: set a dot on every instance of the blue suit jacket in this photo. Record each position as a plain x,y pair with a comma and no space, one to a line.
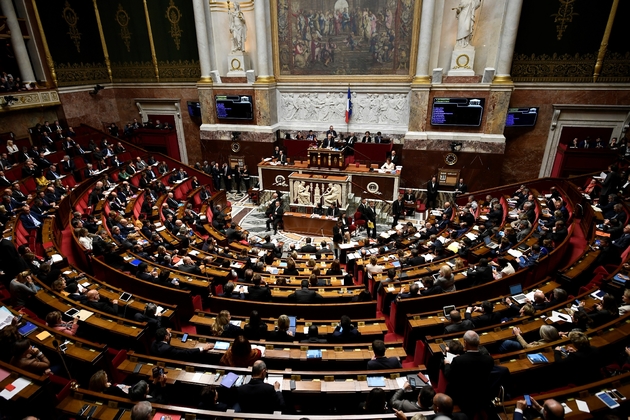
28,223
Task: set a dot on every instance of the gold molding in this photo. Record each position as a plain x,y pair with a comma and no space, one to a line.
81,73
174,15
265,80
502,80
49,60
122,18
565,15
604,46
108,64
151,43
180,70
222,6
421,80
70,16
382,78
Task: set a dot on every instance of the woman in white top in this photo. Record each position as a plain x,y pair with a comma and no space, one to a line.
388,165
373,268
626,302
11,148
84,239
505,266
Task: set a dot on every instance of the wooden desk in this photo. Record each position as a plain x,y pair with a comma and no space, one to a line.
307,225
376,152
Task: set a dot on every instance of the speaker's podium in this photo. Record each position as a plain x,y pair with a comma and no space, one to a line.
326,158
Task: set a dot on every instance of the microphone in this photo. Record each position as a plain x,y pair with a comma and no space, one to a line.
61,356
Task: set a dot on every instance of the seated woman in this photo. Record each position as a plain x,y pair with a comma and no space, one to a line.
255,329
547,333
240,353
335,269
29,358
388,165
84,239
123,174
281,333
99,383
373,268
445,279
223,328
290,269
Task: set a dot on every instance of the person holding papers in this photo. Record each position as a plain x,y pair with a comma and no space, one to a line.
388,165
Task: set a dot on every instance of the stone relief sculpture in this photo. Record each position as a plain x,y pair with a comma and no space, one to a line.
303,193
371,108
466,21
332,195
238,27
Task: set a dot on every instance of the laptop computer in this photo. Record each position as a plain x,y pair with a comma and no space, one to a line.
517,293
446,310
489,243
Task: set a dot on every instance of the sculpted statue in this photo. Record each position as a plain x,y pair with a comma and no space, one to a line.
238,27
303,193
332,195
466,21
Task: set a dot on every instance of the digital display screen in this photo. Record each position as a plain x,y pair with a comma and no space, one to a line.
464,112
521,117
194,109
234,107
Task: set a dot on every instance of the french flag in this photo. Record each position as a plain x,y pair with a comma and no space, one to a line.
348,107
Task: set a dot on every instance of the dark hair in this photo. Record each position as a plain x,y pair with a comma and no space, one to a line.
346,323
160,334
487,307
138,391
241,346
20,347
378,347
376,402
391,273
304,283
426,396
313,331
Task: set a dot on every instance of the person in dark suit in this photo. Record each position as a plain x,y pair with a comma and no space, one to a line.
367,138
304,295
282,333
345,332
333,210
432,193
370,216
313,336
488,317
257,396
468,376
457,324
550,410
398,209
481,273
350,142
582,364
460,187
259,291
610,184
161,347
95,301
30,220
308,248
275,217
380,361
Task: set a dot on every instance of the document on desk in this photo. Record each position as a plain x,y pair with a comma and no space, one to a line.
272,379
515,253
6,317
83,314
557,316
19,384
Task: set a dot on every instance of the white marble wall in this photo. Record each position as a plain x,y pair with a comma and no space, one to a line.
317,108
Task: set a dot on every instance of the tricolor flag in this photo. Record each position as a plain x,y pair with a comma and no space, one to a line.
348,107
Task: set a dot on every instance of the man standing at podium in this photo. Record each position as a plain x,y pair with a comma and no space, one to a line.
332,132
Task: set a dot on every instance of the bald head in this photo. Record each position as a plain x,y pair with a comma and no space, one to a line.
259,369
443,404
471,340
553,410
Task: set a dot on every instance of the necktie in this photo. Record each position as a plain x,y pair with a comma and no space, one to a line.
35,221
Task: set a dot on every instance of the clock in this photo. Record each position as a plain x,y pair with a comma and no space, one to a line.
451,159
235,147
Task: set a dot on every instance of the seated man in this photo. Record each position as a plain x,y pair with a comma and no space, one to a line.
258,396
161,347
304,295
423,403
95,301
457,325
380,361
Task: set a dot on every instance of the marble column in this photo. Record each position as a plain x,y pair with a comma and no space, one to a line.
263,72
202,39
210,36
424,46
17,40
508,41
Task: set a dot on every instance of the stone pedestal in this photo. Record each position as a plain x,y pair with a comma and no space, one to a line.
237,64
462,61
